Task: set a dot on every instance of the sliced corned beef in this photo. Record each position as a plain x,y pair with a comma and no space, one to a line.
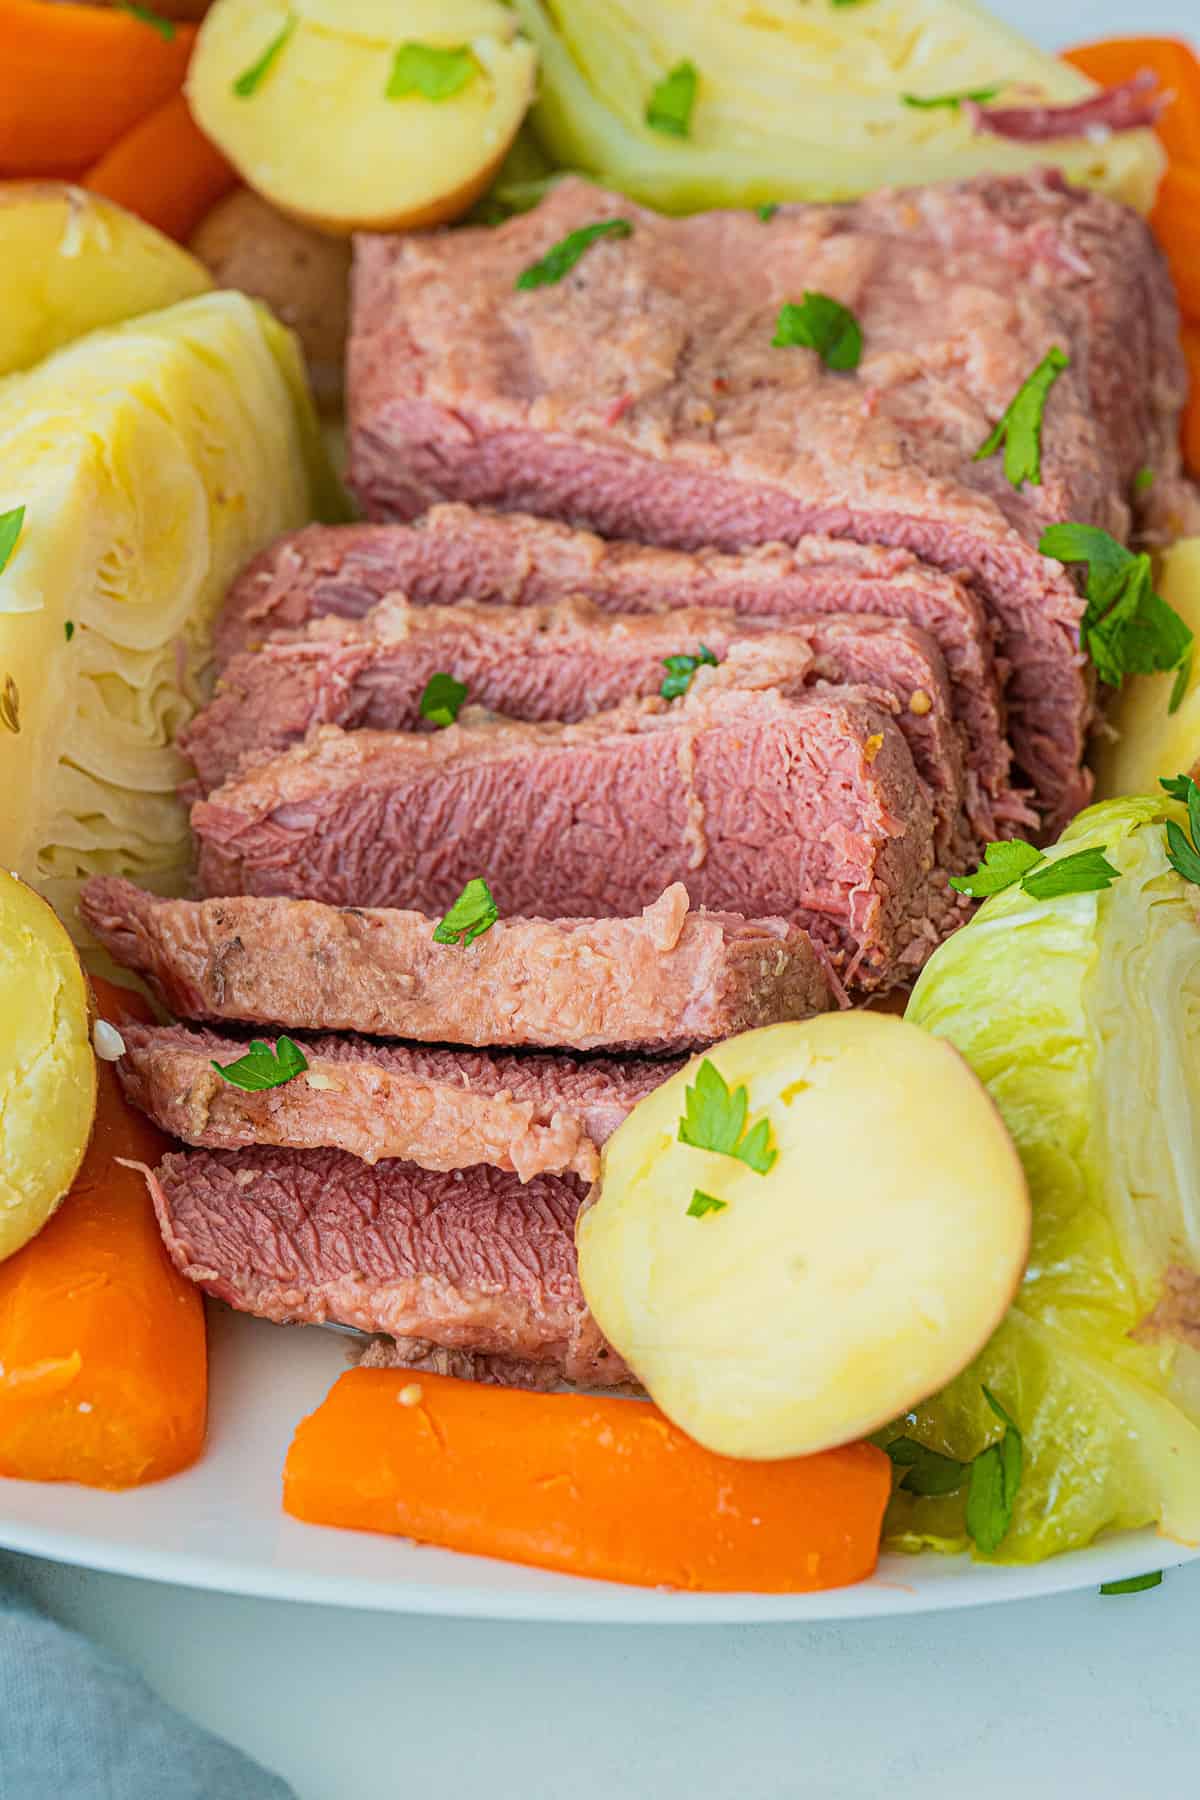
667,979
471,1260
808,809
442,1109
458,553
560,662
642,394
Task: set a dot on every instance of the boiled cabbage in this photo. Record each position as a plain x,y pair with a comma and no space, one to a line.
151,460
1082,1016
801,101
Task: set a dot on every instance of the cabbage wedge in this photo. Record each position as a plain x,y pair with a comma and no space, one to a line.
1082,1016
802,101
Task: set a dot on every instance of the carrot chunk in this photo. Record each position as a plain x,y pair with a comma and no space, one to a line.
1175,222
607,1488
165,170
103,1371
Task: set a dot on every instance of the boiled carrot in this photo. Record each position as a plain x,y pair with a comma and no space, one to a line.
1113,61
607,1488
1175,222
74,78
103,1373
165,170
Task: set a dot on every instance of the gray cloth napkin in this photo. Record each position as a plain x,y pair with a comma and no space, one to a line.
76,1723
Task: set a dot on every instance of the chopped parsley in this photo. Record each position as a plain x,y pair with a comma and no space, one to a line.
767,210
715,1119
1132,1584
1127,629
669,107
473,913
251,79
1006,864
1019,428
927,102
164,27
262,1067
442,698
1184,854
993,1477
11,524
1142,480
69,630
705,1203
926,1472
561,258
681,668
431,71
821,324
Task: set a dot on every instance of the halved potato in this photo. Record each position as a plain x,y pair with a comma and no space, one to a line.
1148,739
47,1070
857,1276
297,98
73,263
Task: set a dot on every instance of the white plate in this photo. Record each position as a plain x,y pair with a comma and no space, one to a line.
221,1526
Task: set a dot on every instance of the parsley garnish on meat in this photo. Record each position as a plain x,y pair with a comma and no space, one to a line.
251,79
442,698
927,102
1019,428
561,258
681,668
1006,864
821,324
715,1119
767,210
11,524
993,1477
1182,854
1127,629
669,107
705,1203
473,913
1142,480
429,70
263,1068
1132,1584
164,27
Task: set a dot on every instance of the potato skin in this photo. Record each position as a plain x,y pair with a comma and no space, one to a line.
47,1070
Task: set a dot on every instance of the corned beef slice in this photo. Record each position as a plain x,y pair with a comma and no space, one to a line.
807,809
668,979
441,1109
558,662
458,553
642,395
472,1260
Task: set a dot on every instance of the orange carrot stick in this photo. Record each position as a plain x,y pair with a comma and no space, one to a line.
1175,222
74,78
103,1373
601,1487
1112,61
1191,417
165,170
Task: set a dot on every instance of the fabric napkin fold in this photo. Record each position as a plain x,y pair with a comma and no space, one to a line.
77,1723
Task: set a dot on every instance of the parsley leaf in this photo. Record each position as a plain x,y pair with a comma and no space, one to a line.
1019,428
1084,872
767,210
10,530
164,27
681,668
428,70
561,258
1003,865
1142,480
669,107
251,79
1184,857
1127,629
473,913
1178,786
1133,1584
715,1119
705,1203
262,1067
442,698
926,103
926,1472
994,1480
823,325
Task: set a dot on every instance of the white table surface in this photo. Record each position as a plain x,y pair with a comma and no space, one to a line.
1051,1698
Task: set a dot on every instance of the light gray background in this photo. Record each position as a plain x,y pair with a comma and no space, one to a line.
1046,1699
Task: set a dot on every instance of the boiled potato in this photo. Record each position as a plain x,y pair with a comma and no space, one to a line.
1149,740
47,1071
854,1278
74,262
297,98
